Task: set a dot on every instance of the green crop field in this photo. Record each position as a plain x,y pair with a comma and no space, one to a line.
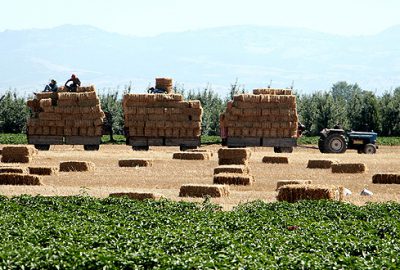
87,233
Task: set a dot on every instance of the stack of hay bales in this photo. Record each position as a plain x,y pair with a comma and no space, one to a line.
268,113
66,113
233,169
160,115
18,154
164,84
294,193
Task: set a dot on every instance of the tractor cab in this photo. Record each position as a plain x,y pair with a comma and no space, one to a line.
338,141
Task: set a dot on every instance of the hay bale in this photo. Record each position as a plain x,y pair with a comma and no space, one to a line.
233,179
191,156
194,190
19,151
234,161
137,195
76,166
43,170
234,153
275,160
11,170
19,179
236,169
320,163
349,168
294,193
135,162
282,183
16,159
386,178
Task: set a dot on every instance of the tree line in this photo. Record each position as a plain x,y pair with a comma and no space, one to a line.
347,105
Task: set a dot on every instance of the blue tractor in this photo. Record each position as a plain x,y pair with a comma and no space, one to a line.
338,141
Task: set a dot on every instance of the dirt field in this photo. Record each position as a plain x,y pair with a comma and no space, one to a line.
167,174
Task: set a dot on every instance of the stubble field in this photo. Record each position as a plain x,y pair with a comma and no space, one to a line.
167,175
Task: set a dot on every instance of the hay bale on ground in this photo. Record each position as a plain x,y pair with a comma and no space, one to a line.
234,153
193,190
201,151
282,183
17,154
135,162
349,168
11,170
386,178
43,170
191,156
275,160
234,161
19,151
320,163
238,169
137,195
233,179
19,179
76,166
294,193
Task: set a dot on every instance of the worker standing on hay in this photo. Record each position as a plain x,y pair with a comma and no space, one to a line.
74,85
51,87
153,90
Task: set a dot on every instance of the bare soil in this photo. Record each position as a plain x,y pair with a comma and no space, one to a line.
167,175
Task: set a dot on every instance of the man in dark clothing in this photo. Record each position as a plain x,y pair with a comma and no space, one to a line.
51,87
74,85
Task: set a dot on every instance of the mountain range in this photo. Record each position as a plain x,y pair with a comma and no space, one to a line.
253,55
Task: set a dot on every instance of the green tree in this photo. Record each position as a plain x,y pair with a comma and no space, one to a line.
13,113
112,107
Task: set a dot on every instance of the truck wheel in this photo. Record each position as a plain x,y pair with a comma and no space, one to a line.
42,147
335,143
278,149
321,145
186,147
140,148
91,147
369,149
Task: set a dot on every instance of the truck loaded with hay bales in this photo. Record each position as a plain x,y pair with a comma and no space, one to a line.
161,119
73,118
268,117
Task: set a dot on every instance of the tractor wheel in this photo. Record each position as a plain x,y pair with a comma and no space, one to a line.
335,143
321,145
369,149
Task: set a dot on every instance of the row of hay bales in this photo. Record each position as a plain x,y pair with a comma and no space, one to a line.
269,113
161,115
66,113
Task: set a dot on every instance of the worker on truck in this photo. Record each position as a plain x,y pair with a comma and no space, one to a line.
51,87
74,85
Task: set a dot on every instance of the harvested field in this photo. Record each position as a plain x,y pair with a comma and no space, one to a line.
320,163
19,179
384,178
77,166
232,169
191,155
193,190
43,170
349,168
137,195
233,179
167,175
135,162
294,193
282,183
275,160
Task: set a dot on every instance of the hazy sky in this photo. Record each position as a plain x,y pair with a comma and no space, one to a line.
151,17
